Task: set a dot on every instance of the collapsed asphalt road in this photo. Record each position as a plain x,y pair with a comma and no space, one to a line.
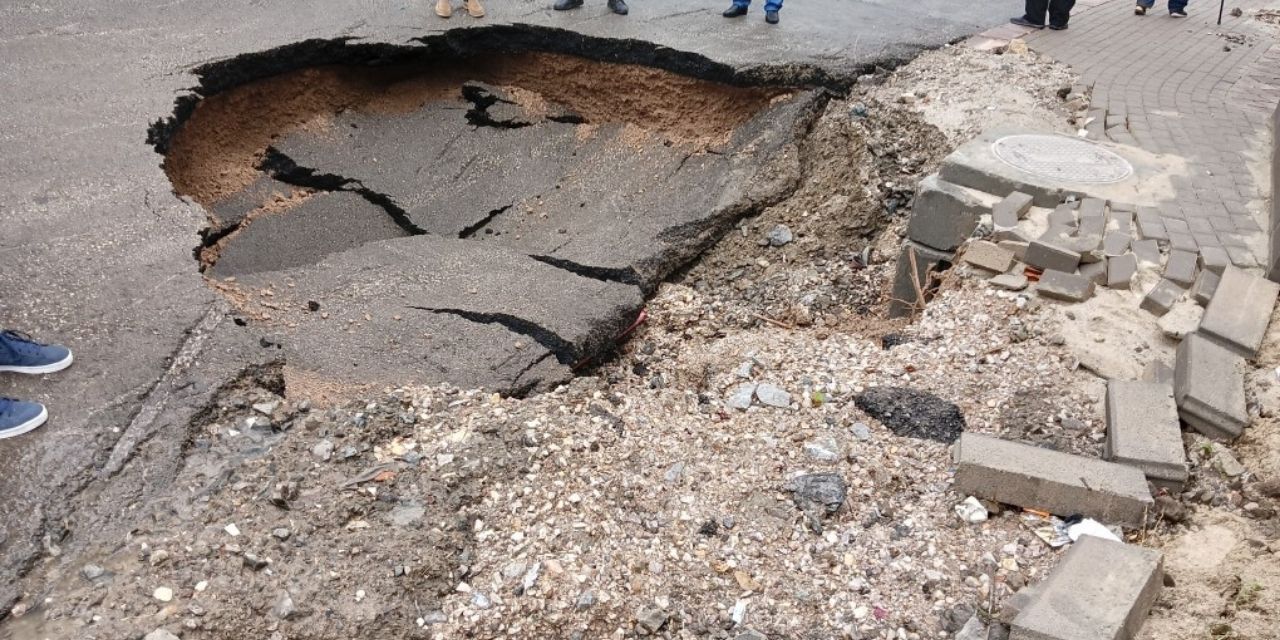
97,251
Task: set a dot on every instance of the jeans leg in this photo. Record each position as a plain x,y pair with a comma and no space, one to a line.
773,5
1147,3
1177,5
1060,12
742,3
1036,10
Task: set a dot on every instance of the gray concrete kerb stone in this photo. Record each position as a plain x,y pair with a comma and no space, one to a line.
1143,430
943,215
1061,483
1208,385
1101,590
1240,310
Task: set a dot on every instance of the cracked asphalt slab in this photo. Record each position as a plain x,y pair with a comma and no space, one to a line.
96,250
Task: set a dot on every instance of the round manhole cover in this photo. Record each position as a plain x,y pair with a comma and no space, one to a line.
1062,158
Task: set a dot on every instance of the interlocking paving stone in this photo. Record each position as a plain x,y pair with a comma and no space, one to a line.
1181,268
1148,251
1143,430
1063,215
1120,270
1152,228
1014,207
1241,257
1017,247
1240,310
1069,287
1208,385
989,256
1101,590
1206,284
1115,243
1214,259
1095,272
1161,297
1061,483
1046,255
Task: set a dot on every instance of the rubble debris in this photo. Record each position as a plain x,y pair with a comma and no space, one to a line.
989,256
1209,388
1062,483
1161,298
912,413
1046,255
1009,281
972,510
1069,287
1206,284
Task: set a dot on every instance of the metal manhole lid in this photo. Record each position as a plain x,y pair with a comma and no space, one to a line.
1062,158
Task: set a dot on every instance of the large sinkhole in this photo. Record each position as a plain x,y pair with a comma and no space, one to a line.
485,220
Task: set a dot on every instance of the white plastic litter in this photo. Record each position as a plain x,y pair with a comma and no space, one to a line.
1091,527
972,511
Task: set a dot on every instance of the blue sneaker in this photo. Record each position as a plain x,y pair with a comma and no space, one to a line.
18,417
20,354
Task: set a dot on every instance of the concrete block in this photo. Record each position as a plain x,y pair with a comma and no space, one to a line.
1115,243
1214,259
1057,482
1206,284
1120,220
1183,242
1009,281
1063,215
1093,208
1120,271
1158,371
1242,257
1147,251
1013,208
1239,311
1143,431
1161,297
988,255
1064,286
943,215
1152,228
1101,590
1208,385
1017,247
1095,272
1045,255
1181,268
904,281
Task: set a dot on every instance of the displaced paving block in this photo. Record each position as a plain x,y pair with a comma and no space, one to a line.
1208,385
1183,241
1241,257
1214,259
1101,590
1161,297
1158,371
1143,431
1064,286
1151,227
1120,220
1206,284
1181,268
1115,243
989,256
1046,255
905,297
1238,314
1148,251
1009,211
1017,247
1182,319
1009,281
1064,215
1092,208
944,215
1120,270
1096,272
1061,483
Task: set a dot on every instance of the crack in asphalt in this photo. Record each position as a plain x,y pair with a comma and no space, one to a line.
483,222
625,275
566,353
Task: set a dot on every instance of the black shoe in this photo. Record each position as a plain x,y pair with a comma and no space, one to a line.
771,17
1139,10
565,5
1023,22
1057,27
618,6
735,11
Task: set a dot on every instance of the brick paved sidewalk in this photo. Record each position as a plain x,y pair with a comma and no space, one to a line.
1189,88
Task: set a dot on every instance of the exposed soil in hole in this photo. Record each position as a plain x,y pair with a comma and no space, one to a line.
216,153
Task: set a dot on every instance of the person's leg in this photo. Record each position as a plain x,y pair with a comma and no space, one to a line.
474,8
18,417
1060,13
444,8
1178,8
771,9
738,8
1035,14
19,353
